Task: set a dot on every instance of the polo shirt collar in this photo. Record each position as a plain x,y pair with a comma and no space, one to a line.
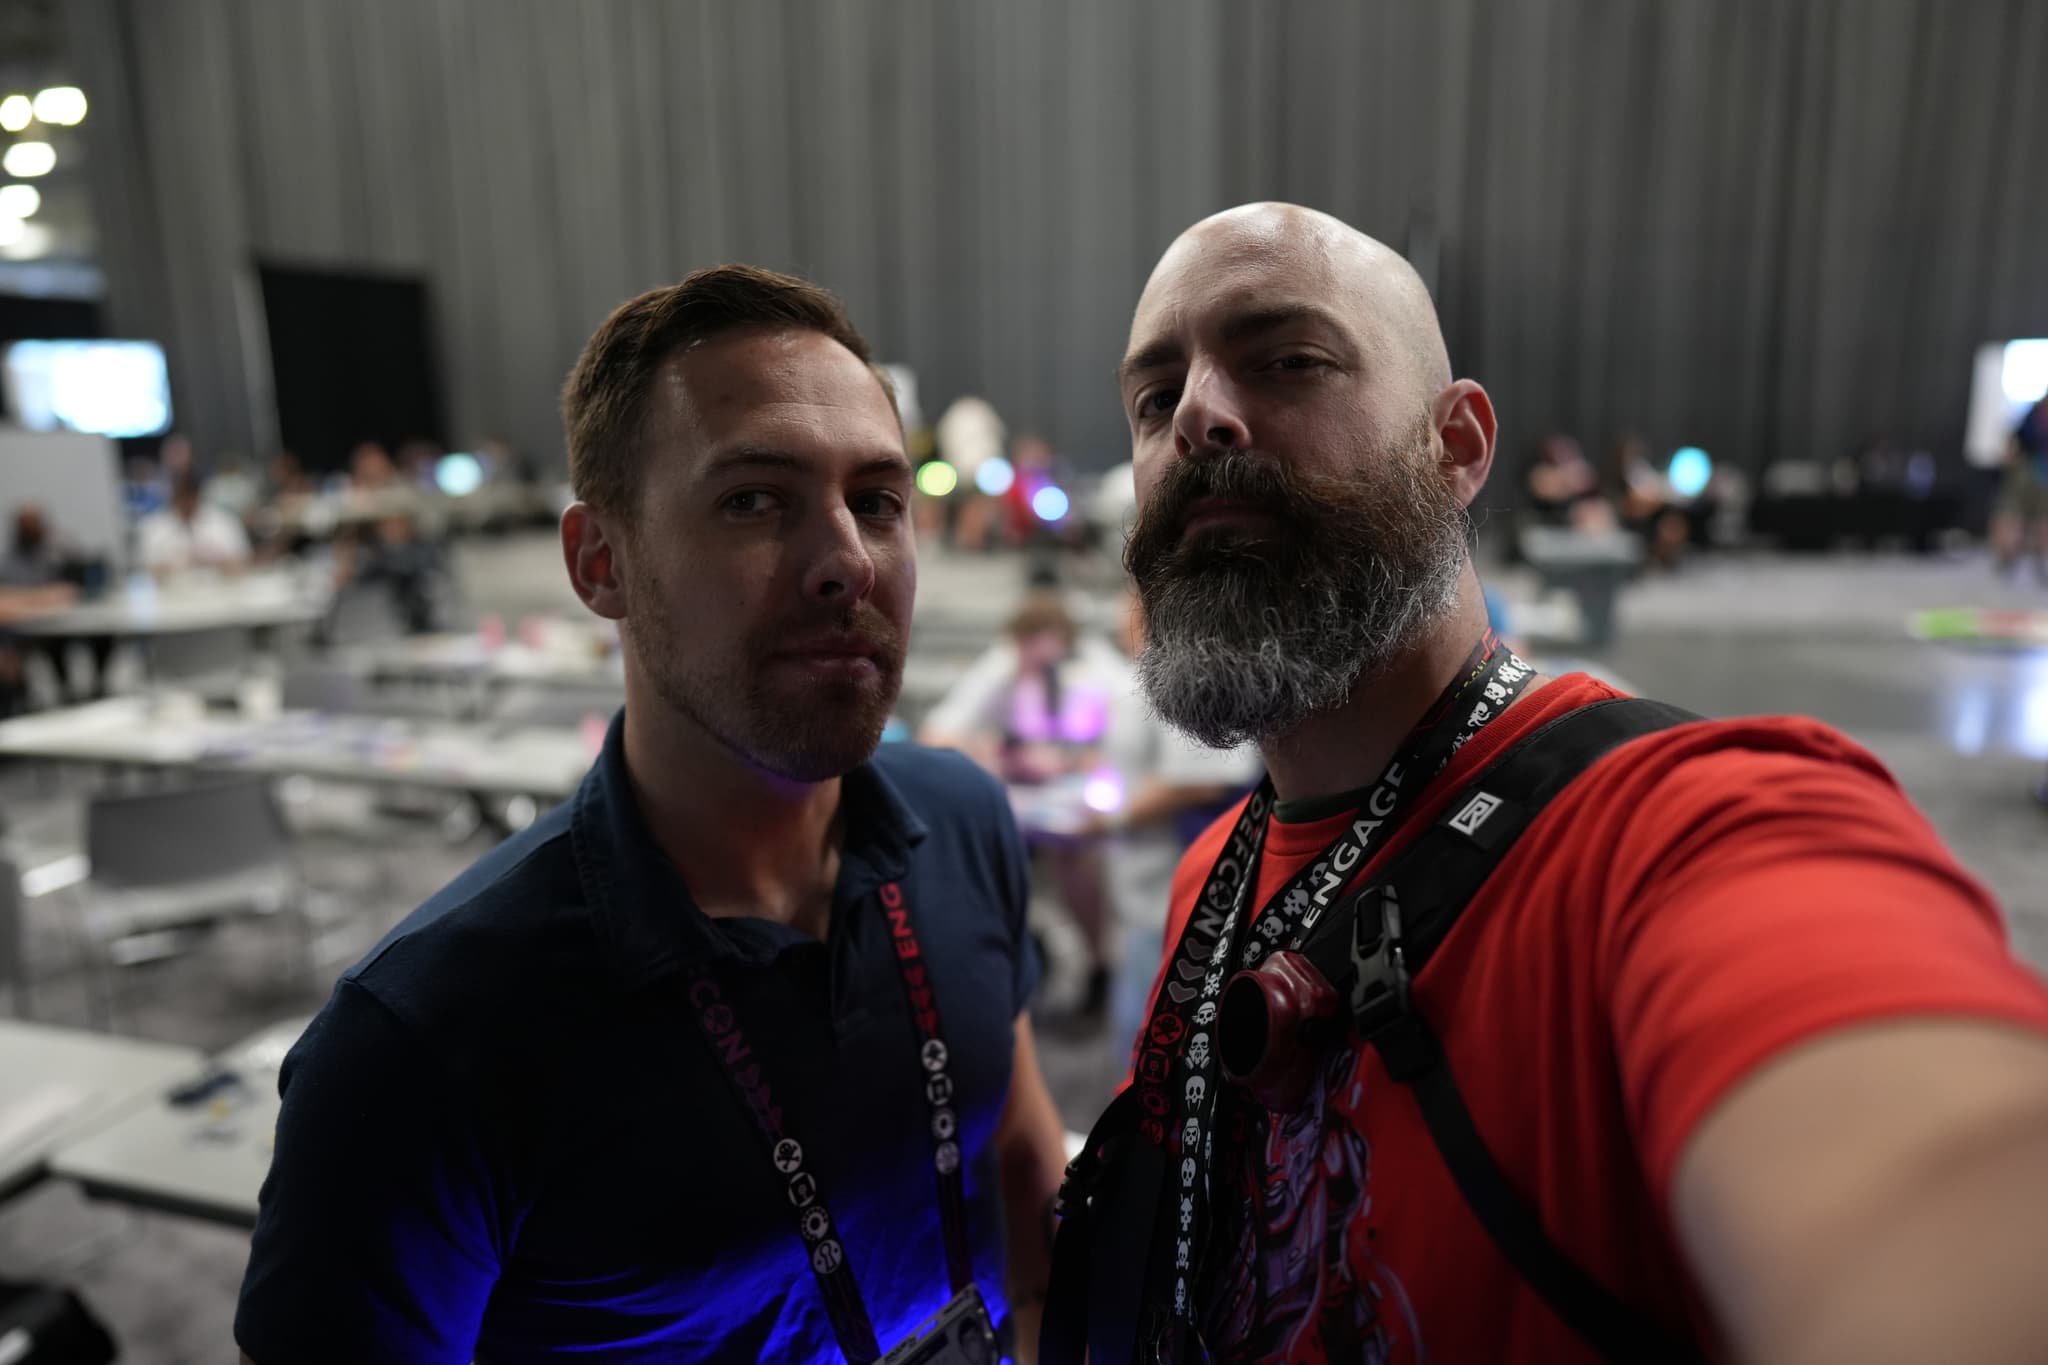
643,912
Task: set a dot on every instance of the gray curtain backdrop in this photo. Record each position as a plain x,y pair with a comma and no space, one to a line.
1770,227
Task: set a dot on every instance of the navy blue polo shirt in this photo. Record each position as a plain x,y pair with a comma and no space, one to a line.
505,1137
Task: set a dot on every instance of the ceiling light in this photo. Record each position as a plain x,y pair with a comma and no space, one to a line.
21,241
19,201
63,104
27,159
15,113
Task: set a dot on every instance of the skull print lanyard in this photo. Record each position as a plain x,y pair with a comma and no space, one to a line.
1177,1102
717,1020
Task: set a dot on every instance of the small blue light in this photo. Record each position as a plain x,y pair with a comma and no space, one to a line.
1050,502
459,475
995,476
1691,468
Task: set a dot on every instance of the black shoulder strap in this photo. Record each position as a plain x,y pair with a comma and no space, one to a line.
1110,1205
1396,923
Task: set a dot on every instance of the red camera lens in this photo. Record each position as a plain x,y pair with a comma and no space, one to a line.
1271,1027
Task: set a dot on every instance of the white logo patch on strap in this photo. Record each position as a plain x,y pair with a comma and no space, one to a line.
1475,813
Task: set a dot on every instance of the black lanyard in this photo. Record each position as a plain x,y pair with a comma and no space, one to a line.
743,1070
1176,1112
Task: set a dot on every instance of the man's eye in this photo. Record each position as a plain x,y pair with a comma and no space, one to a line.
1158,401
749,502
879,503
1296,363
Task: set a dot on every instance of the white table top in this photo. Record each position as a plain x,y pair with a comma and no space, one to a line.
207,1157
57,1084
188,607
469,657
176,731
324,514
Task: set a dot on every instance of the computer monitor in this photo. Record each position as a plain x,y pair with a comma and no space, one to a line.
2008,378
108,388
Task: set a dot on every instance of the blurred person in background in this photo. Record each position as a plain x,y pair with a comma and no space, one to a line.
1648,510
970,434
418,460
1033,709
2019,522
285,479
143,487
191,533
1563,488
1031,466
1744,1064
285,496
728,1057
1170,788
31,584
388,546
34,558
233,489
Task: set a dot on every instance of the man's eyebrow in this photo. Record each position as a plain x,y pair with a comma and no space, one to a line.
768,457
1259,321
759,457
1148,358
1239,327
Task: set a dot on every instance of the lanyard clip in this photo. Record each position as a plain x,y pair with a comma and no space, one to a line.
1380,986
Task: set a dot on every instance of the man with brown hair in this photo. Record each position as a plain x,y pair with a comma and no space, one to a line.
727,1057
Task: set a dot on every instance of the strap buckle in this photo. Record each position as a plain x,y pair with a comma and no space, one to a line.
1077,1185
1380,982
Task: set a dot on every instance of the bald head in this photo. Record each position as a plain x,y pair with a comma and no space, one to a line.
1276,329
1287,251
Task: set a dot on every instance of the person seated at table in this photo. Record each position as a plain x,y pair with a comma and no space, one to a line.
1564,489
19,604
191,533
40,575
1650,510
1032,709
392,548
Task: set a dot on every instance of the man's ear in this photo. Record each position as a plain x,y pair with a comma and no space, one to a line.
1464,421
592,552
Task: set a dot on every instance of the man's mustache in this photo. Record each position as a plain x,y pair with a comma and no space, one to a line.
863,627
1247,478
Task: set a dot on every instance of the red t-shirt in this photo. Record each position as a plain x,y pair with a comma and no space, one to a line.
1696,902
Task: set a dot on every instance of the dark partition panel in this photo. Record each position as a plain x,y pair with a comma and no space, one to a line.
351,359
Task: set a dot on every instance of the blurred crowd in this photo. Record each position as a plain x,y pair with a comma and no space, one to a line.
379,526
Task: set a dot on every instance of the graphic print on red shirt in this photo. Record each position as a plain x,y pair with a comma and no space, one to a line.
1697,902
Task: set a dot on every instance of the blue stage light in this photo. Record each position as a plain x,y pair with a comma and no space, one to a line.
995,476
459,474
1050,502
1690,470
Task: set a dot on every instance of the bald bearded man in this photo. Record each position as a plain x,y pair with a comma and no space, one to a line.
1726,1057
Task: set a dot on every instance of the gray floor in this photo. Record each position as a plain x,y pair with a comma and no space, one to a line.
1965,731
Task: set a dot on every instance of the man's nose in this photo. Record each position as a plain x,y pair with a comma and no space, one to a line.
1210,413
843,568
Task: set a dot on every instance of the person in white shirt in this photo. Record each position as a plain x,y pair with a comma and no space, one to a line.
190,533
1032,710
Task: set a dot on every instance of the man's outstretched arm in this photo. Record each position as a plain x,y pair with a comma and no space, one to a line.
1879,1194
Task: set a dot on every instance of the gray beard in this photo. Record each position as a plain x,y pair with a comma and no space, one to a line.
1239,652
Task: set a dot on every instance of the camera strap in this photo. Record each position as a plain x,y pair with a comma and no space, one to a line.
1177,1070
1377,942
718,1021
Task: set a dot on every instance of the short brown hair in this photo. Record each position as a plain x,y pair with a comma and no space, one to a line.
604,401
1042,612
